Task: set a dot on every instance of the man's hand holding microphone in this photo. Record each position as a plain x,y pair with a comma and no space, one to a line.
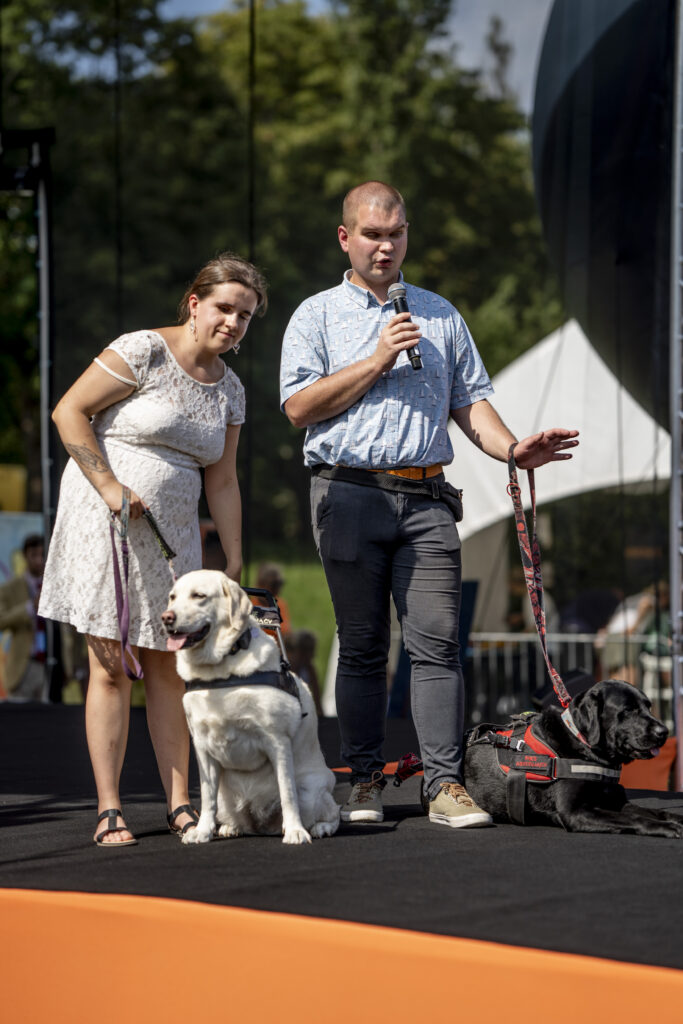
401,334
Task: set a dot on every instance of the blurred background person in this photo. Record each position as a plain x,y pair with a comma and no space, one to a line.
301,646
25,664
637,615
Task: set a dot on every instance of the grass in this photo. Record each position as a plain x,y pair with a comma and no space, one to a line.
308,599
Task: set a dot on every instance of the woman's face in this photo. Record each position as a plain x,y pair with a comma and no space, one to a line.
222,318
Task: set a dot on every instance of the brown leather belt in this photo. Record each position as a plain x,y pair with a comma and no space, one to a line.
413,472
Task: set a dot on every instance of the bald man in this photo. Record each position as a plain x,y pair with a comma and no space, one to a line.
384,520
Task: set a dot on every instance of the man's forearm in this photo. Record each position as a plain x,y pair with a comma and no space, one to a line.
483,426
330,396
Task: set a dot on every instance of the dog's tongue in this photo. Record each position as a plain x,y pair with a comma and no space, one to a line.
174,643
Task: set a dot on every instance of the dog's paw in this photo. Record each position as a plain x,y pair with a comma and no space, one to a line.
229,832
296,836
197,835
676,827
321,829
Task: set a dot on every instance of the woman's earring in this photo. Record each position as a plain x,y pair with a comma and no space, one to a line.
193,327
236,348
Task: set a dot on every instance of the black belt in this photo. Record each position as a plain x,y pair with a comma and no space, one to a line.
435,488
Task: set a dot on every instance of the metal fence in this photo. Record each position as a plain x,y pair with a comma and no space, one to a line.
505,670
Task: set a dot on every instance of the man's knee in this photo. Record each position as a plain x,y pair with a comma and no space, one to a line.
363,653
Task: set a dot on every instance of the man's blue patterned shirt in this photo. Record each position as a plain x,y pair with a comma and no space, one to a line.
403,419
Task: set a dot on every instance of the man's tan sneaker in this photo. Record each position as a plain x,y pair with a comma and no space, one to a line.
365,801
453,806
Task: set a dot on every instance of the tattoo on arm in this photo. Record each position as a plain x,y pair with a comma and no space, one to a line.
87,459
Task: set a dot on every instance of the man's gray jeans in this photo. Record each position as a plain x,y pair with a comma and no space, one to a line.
373,544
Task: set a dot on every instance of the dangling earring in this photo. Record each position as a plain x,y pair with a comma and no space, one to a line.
193,327
236,348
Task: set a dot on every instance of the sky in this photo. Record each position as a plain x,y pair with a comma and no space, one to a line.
524,25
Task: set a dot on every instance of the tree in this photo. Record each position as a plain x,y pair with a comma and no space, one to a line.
151,179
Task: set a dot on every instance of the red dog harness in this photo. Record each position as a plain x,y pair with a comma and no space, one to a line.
525,758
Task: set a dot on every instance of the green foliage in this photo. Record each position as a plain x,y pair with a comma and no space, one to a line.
18,327
308,599
609,536
151,179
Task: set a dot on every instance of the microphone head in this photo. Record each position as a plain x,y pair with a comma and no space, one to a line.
396,291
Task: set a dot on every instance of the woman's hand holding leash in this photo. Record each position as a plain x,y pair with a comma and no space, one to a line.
113,493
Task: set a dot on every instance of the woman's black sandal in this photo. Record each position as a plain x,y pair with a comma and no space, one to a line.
111,815
183,809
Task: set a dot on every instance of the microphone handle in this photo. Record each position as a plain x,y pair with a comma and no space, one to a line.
401,306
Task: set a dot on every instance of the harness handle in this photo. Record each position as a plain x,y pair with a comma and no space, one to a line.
531,564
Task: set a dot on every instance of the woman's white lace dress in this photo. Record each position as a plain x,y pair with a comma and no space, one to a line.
155,441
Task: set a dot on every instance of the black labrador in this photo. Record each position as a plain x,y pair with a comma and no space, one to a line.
606,726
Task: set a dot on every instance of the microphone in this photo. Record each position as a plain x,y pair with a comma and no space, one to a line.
397,294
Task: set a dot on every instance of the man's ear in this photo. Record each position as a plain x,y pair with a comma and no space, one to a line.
343,236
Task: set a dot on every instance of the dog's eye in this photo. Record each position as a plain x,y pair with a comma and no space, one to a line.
196,594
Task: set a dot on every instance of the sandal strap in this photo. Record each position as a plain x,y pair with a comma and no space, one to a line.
183,809
107,831
111,815
113,812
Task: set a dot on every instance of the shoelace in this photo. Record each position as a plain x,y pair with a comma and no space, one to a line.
365,790
458,793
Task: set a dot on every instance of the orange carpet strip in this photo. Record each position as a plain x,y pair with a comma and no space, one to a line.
72,958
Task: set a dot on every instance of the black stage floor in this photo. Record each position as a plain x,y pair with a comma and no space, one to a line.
615,897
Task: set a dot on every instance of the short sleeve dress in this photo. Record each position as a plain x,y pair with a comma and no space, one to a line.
155,442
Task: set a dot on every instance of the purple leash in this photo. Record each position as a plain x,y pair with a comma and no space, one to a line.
121,587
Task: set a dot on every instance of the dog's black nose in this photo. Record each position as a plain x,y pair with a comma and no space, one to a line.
168,618
660,734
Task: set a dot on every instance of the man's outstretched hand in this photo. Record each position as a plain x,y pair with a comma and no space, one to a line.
548,446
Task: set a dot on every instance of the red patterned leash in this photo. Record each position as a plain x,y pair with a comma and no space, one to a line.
531,564
529,548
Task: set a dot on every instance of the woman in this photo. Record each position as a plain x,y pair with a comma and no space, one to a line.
155,406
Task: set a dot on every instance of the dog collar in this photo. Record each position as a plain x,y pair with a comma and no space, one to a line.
242,641
566,717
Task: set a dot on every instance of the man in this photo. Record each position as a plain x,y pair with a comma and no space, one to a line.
376,441
26,677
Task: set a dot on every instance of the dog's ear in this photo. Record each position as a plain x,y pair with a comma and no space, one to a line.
586,709
239,607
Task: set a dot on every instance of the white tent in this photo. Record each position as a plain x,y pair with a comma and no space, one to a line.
560,382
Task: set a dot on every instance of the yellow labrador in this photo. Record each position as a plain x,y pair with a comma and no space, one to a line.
261,767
